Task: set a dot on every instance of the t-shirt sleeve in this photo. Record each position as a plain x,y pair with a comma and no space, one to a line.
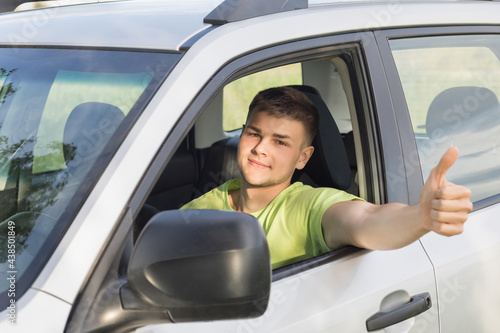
320,199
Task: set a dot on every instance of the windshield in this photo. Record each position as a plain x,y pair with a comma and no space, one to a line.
63,113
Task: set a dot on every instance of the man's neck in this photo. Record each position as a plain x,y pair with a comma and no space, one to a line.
250,199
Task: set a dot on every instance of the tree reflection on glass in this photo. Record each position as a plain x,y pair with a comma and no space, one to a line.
8,88
27,203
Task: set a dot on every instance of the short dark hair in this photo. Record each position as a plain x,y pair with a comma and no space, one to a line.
287,102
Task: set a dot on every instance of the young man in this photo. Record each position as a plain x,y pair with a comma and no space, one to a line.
301,221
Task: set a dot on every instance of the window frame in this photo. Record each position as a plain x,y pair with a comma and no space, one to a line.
410,151
367,120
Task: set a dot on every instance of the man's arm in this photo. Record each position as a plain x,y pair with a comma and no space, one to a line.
443,208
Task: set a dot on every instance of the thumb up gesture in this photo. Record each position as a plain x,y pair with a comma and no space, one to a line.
444,206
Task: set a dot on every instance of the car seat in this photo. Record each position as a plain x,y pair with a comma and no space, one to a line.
458,110
461,116
87,131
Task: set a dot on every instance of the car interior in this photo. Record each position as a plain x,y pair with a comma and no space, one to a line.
206,158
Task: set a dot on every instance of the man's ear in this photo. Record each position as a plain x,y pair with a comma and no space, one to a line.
304,157
242,130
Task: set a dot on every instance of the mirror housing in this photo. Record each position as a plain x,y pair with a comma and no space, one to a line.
200,265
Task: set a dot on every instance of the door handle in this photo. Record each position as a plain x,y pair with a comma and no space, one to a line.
417,304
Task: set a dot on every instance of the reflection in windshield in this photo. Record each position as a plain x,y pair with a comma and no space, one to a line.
61,112
7,89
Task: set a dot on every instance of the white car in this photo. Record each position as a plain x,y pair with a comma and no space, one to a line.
114,114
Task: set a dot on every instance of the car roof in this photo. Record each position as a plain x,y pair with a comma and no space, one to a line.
172,24
148,24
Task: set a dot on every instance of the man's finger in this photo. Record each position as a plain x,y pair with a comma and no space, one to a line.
447,160
448,217
462,204
452,192
448,229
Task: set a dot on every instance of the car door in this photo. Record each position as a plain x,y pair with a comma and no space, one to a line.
445,83
340,290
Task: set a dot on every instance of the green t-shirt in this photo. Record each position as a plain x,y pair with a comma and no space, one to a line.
291,222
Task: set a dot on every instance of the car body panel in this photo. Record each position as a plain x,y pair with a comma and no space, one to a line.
467,273
141,25
303,302
79,26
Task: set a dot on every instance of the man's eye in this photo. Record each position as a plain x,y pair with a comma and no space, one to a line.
254,135
282,143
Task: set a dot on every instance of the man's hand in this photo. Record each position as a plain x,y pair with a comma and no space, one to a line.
444,206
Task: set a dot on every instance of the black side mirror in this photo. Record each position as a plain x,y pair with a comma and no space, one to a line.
201,265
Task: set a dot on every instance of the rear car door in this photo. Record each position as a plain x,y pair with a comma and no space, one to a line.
445,83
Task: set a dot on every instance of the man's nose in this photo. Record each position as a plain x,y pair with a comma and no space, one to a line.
260,148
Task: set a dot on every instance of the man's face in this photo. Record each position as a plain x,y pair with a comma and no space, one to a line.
270,150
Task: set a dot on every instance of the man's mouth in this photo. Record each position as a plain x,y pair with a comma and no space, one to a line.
257,164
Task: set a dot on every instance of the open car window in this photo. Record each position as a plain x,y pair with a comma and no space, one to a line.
207,155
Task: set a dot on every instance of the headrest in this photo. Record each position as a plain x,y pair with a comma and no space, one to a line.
458,110
328,166
87,131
